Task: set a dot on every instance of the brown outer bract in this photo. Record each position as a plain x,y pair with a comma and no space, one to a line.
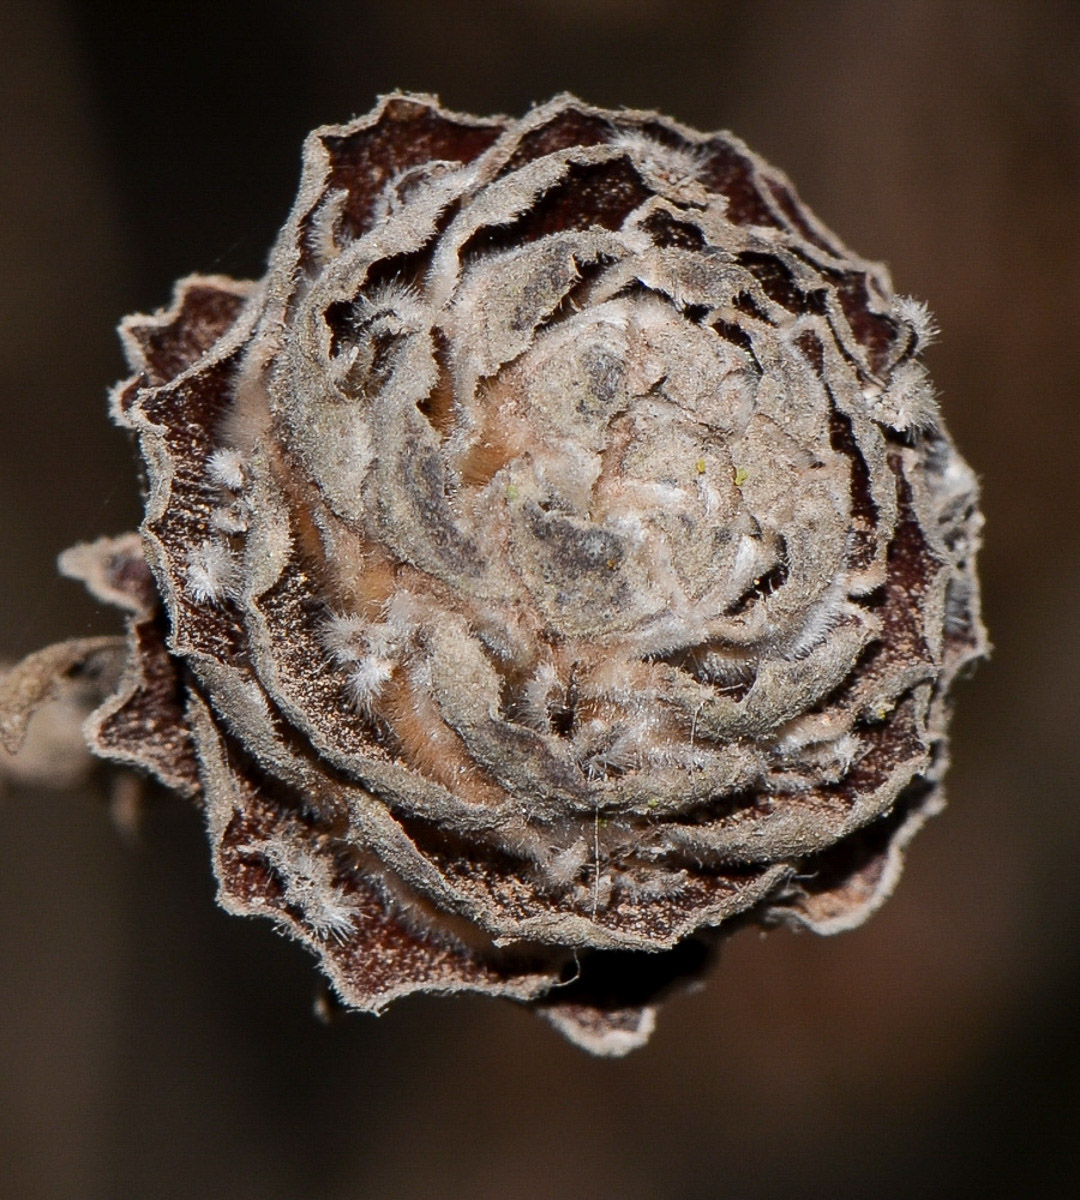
556,560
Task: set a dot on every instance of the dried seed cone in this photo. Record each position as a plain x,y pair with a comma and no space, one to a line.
562,560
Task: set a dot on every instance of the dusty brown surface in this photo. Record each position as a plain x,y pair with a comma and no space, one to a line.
154,1047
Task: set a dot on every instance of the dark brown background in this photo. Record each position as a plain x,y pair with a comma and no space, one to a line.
152,1047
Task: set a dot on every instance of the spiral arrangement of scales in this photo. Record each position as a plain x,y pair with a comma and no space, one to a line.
556,561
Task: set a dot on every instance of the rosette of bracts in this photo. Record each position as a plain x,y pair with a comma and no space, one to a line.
555,562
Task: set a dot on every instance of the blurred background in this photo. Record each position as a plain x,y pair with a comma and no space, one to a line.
150,1046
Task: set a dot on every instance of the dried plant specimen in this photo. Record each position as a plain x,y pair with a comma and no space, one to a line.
555,561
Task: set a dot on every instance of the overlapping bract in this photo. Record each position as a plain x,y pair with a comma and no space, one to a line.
560,557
